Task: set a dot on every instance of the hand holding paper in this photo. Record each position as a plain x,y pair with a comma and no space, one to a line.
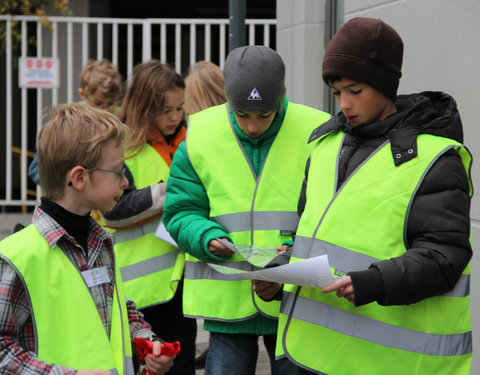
258,256
219,247
265,289
309,272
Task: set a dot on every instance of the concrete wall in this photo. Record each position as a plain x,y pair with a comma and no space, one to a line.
442,52
300,43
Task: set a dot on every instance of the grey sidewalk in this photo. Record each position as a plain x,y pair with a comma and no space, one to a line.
8,221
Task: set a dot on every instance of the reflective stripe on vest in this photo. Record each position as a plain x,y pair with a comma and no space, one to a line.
430,336
341,259
371,330
135,232
242,221
151,268
148,266
254,210
200,270
57,340
318,313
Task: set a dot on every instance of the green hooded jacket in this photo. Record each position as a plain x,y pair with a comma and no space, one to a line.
186,213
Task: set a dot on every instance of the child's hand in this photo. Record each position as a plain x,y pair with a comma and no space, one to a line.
281,249
94,372
156,363
265,289
343,287
219,249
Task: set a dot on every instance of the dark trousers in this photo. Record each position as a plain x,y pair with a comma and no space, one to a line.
169,324
237,354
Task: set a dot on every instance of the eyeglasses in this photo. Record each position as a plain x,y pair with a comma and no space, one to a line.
121,173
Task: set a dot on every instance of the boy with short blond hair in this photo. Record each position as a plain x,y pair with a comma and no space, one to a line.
63,308
101,85
61,147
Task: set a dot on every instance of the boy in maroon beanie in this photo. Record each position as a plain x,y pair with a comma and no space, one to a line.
387,196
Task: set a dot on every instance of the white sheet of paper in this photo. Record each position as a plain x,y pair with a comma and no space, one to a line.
164,235
313,272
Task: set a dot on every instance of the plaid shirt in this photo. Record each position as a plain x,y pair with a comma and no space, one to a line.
17,334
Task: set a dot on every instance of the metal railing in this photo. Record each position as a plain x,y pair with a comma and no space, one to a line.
76,40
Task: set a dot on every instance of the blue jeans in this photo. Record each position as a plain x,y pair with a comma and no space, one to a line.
237,353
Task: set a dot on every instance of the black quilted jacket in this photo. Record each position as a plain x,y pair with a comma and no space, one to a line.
439,222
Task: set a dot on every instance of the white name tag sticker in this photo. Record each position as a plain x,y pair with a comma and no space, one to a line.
96,276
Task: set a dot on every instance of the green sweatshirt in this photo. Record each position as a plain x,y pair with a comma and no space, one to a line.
187,209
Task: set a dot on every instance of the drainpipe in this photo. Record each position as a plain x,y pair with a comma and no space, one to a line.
236,29
334,19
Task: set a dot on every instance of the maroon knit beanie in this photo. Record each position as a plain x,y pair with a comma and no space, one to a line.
366,50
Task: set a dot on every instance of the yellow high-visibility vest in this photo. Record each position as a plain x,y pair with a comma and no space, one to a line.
69,330
361,223
254,210
151,268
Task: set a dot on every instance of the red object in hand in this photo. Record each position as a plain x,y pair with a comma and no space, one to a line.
170,348
144,347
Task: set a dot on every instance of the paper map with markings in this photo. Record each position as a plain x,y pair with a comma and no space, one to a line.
313,272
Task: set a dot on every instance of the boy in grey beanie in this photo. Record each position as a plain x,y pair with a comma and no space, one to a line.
254,87
254,79
240,182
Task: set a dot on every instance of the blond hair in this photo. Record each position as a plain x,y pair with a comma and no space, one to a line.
145,99
75,134
204,87
101,76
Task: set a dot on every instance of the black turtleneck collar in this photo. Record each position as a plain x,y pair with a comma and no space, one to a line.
77,226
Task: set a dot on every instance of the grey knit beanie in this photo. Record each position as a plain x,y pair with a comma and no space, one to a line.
366,50
254,79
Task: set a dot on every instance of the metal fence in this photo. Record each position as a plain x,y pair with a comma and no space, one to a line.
75,41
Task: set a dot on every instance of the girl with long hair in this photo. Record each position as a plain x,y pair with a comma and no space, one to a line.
152,268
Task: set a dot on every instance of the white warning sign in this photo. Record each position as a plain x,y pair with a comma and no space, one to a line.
39,72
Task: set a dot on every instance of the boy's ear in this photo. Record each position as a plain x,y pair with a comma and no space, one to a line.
78,177
82,93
